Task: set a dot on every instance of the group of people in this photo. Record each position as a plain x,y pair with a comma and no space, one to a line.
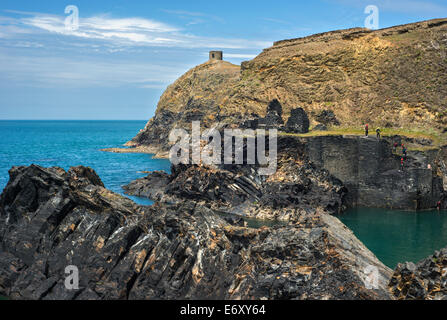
378,131
404,150
402,159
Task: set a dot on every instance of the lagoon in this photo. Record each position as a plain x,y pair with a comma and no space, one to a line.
398,236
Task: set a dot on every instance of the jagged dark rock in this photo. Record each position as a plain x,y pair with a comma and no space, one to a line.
50,219
152,186
359,172
274,107
423,281
273,118
296,186
298,121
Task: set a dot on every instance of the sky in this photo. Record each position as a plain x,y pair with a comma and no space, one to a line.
117,58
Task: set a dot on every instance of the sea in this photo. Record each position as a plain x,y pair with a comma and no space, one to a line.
393,236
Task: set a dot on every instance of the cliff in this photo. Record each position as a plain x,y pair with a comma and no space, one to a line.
393,77
197,95
372,172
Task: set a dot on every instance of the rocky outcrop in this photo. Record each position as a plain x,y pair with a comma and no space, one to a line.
50,219
326,172
297,186
327,118
426,280
196,96
273,118
363,76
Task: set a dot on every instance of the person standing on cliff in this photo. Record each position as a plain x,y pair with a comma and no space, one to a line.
378,133
438,205
404,152
366,130
402,164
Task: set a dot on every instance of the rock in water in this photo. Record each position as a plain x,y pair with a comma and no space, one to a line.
50,219
298,121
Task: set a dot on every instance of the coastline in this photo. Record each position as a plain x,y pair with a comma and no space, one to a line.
156,152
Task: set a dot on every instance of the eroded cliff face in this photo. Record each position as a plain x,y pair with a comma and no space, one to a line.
50,219
372,172
393,77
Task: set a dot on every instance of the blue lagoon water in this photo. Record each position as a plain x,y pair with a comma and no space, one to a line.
73,143
398,236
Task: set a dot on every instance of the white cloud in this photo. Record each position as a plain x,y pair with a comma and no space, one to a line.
276,21
37,50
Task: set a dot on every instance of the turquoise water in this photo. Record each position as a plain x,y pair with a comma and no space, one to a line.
73,143
398,236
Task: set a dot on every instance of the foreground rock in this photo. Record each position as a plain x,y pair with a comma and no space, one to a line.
426,280
50,219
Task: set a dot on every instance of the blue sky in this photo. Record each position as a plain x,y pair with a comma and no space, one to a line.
126,52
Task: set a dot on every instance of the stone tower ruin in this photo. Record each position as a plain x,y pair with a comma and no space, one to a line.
216,55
